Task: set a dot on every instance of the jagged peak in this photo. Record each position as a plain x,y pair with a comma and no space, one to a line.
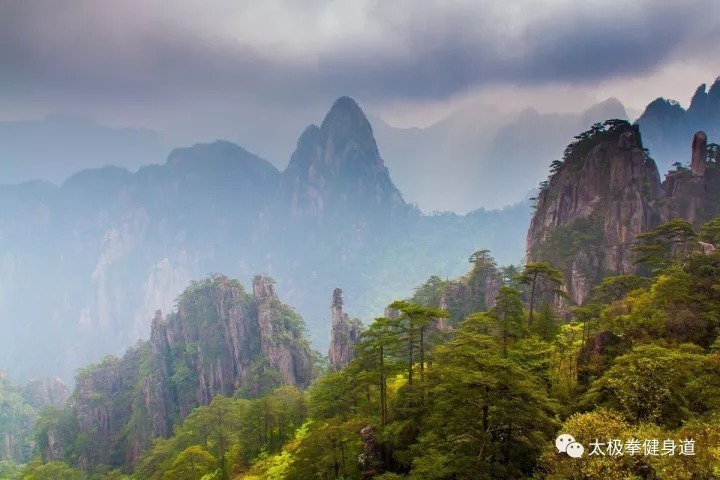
660,107
715,86
346,115
337,297
662,102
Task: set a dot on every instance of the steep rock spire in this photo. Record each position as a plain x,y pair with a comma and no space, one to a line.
699,150
345,334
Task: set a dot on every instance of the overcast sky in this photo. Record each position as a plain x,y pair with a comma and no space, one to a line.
217,65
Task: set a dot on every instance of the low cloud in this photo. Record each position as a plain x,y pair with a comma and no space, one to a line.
278,55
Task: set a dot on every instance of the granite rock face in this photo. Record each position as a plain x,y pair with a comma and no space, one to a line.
39,393
214,343
694,194
345,334
593,208
606,192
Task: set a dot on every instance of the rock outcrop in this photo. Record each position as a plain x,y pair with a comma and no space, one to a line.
102,403
282,345
594,206
605,193
219,340
345,334
699,152
693,194
39,393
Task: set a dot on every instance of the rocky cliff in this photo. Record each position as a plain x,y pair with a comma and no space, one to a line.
604,193
344,334
219,341
594,206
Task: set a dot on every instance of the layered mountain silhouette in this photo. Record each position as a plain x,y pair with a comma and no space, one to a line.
480,156
57,146
666,126
85,265
457,164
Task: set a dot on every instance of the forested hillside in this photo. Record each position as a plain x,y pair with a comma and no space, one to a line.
608,333
434,393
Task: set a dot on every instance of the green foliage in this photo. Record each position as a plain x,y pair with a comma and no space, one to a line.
603,425
483,400
668,244
262,378
650,384
16,423
555,166
586,141
36,470
429,293
710,232
508,316
193,463
8,469
542,279
512,416
617,287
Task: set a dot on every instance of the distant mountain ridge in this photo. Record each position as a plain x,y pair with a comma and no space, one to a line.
58,145
666,126
455,164
468,155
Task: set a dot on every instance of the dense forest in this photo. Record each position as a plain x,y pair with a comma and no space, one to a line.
447,387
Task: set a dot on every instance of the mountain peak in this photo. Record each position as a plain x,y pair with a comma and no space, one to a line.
346,117
699,97
345,106
338,163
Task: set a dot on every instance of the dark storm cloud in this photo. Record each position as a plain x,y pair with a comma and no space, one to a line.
79,49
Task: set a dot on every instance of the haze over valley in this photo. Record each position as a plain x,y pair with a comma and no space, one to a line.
359,239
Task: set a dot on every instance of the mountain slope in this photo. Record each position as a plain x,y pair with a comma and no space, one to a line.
218,341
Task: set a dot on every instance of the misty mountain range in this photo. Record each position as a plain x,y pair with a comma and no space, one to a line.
452,165
109,247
